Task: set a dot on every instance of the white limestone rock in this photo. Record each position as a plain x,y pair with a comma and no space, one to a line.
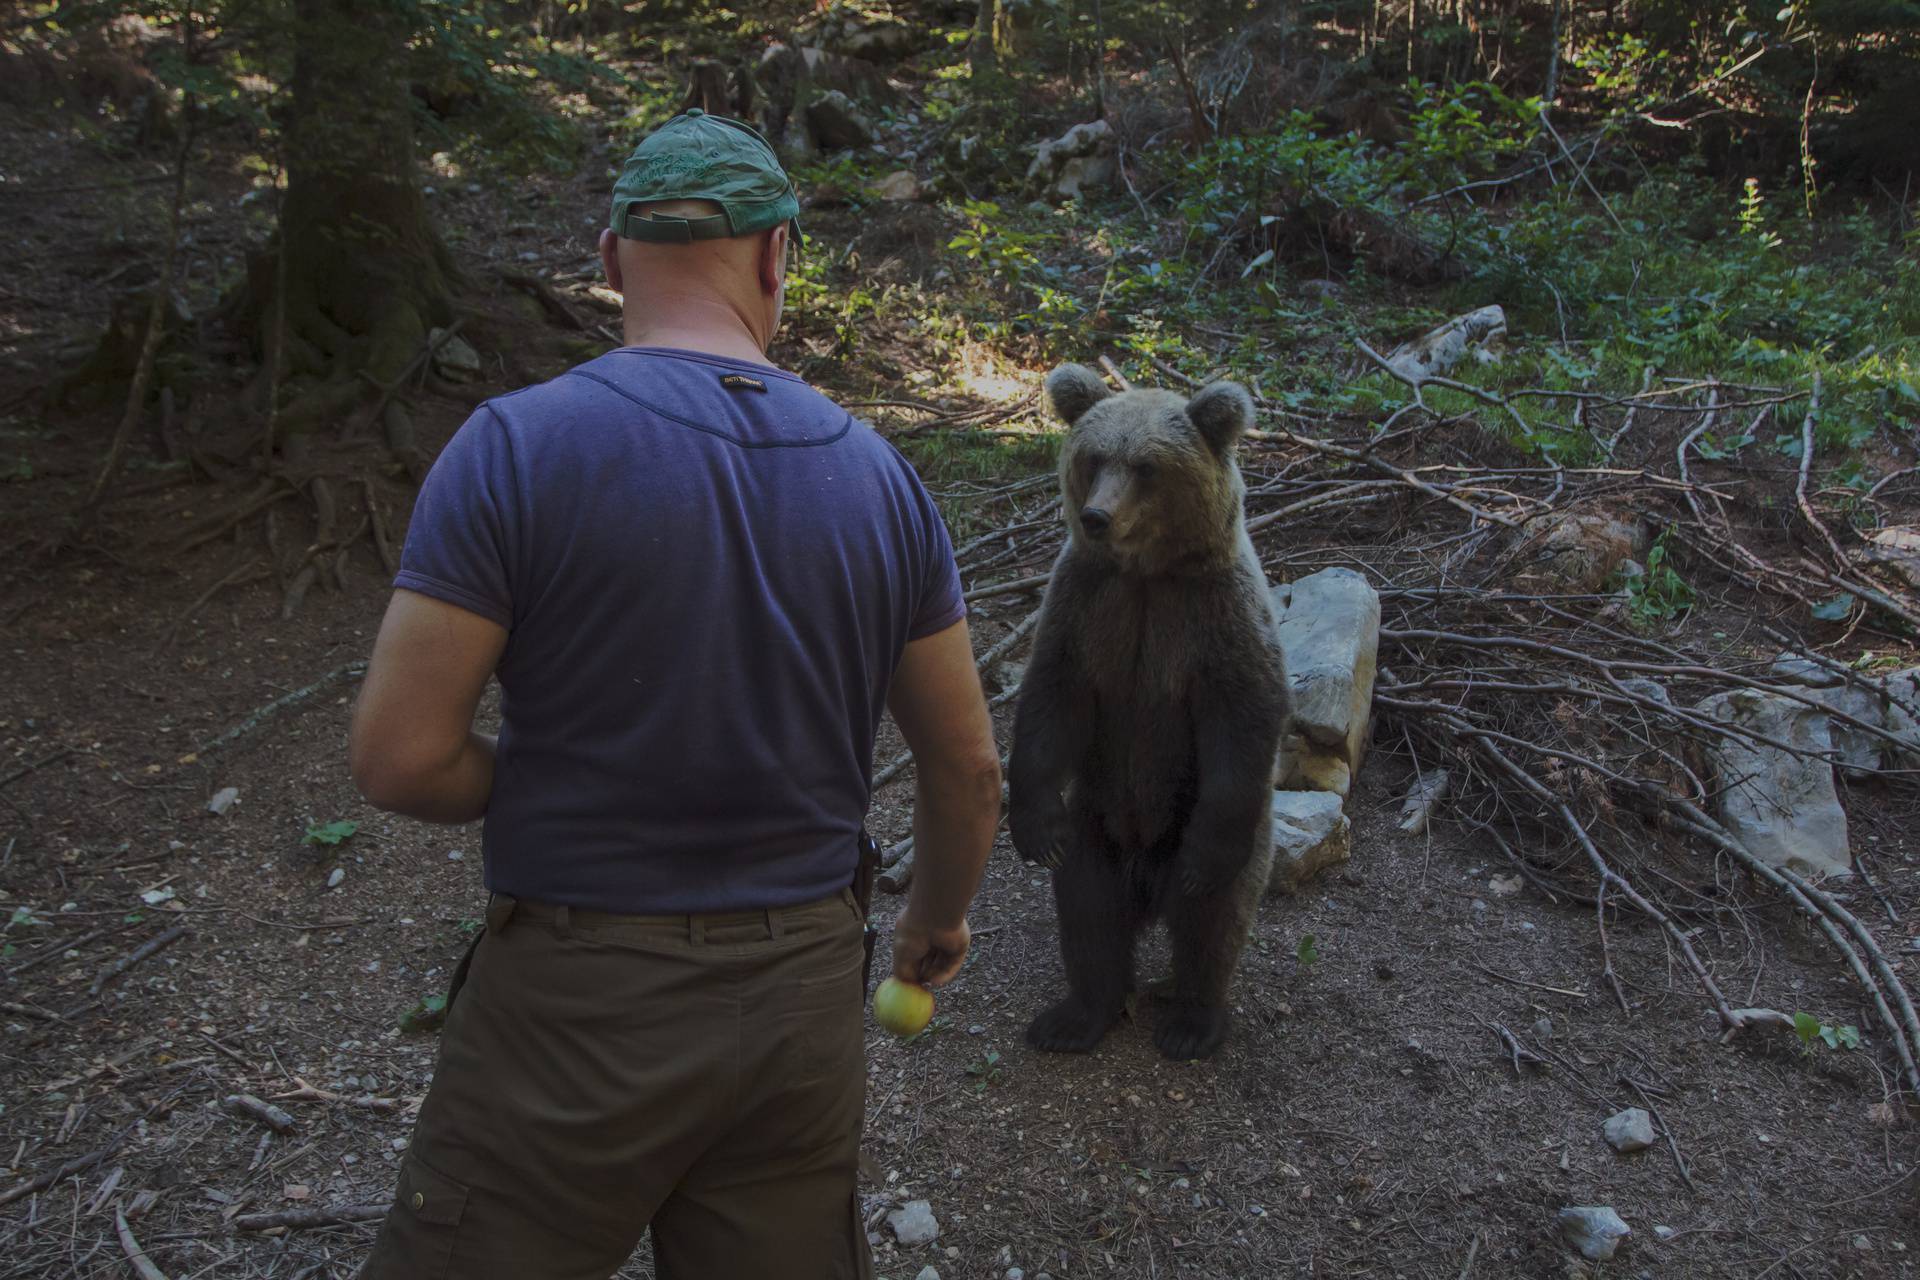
1330,634
1782,806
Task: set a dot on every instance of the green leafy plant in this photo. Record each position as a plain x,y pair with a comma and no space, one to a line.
985,1070
331,833
1660,594
427,1015
1308,952
1812,1031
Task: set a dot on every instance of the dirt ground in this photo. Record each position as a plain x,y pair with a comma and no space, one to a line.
1367,1118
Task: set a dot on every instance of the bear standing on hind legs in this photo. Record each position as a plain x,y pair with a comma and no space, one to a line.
1151,711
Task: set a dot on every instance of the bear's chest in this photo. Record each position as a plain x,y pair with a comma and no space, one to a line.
1140,646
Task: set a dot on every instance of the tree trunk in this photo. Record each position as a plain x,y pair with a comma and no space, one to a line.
366,272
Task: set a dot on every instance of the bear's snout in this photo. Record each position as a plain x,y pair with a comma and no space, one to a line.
1095,520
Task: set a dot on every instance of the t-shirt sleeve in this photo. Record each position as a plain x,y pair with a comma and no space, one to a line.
461,542
939,605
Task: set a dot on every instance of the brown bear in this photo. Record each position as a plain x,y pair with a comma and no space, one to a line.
1151,711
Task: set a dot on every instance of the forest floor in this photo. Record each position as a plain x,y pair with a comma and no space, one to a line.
1366,1118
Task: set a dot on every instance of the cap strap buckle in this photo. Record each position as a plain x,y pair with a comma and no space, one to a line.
665,228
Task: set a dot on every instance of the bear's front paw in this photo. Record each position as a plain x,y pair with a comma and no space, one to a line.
1039,830
1190,1031
1071,1026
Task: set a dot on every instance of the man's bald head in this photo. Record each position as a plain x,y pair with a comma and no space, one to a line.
676,286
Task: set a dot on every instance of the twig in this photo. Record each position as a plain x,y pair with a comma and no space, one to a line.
252,1108
1806,465
1113,371
142,1265
345,671
1008,588
301,1219
36,766
29,1011
1535,986
1679,1161
145,951
252,571
311,1093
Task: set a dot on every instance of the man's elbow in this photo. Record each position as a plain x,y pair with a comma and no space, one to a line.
386,780
973,781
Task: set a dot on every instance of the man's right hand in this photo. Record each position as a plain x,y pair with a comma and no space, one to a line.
931,957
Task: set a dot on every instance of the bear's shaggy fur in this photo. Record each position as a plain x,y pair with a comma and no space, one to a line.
1151,711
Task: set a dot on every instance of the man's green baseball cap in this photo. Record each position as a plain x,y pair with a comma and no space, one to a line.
697,156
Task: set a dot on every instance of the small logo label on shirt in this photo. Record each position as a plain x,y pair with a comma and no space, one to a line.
741,382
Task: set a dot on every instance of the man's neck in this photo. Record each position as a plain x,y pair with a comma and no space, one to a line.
691,323
731,344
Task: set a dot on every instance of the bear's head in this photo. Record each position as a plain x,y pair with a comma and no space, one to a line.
1148,477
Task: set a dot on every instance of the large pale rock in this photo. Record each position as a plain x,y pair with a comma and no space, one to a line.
1078,159
1903,715
1860,751
1899,549
1781,806
901,184
1330,634
1310,833
1576,552
1477,334
856,33
913,1223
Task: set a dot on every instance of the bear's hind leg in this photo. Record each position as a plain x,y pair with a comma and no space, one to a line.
1097,927
1207,932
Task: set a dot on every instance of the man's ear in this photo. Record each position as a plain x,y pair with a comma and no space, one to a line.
1221,413
610,259
1074,389
773,260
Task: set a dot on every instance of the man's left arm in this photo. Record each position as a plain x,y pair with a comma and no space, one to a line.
413,749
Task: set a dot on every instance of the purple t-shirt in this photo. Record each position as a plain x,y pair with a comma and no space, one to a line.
708,572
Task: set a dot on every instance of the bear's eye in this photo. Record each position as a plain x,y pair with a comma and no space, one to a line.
1144,470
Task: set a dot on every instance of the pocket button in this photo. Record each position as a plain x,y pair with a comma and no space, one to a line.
419,1201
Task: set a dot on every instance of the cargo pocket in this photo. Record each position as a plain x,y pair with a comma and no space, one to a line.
421,1229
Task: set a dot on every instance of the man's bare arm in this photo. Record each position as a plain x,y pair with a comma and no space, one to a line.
413,749
937,703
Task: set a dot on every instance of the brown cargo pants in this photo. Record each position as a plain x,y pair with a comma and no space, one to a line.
600,1073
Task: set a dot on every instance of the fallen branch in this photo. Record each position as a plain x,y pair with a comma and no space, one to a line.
142,1265
303,1219
345,671
145,951
252,1108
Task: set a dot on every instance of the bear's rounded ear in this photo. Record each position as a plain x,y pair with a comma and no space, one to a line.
1221,412
1074,389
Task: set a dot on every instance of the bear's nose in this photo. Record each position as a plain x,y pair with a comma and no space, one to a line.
1095,522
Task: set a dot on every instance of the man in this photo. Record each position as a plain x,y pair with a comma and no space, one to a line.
698,581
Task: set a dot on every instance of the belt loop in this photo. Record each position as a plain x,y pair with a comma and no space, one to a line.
775,926
697,930
563,921
499,912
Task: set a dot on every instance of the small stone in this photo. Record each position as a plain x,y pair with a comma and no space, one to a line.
976,1030
454,855
1629,1130
927,1273
1663,1233
1015,1273
223,799
898,185
1311,832
1479,907
339,874
1594,1231
913,1223
1543,1027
